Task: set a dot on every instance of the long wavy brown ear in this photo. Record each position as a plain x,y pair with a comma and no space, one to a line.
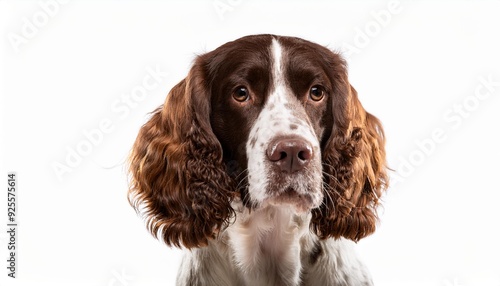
354,167
178,180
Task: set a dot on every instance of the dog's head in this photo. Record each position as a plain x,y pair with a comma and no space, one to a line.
272,120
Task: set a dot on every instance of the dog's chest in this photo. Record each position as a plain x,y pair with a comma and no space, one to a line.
267,244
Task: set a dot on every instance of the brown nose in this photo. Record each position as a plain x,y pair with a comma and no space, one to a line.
290,154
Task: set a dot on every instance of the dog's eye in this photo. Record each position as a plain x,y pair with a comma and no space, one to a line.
241,94
317,93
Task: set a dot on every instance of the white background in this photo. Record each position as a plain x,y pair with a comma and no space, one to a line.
414,64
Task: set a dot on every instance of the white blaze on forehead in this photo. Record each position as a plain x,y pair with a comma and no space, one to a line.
277,68
282,115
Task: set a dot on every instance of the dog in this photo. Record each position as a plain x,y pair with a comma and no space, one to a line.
262,164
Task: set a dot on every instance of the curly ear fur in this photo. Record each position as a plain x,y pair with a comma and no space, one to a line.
354,168
178,180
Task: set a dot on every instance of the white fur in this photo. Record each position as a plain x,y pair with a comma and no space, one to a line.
269,247
275,120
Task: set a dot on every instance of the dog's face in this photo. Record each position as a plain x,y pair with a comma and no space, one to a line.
271,119
270,111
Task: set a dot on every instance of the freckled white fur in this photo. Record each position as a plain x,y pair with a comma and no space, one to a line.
275,119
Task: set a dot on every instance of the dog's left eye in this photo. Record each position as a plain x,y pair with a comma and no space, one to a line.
241,94
317,93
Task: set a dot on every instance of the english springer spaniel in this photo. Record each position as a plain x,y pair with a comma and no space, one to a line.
263,164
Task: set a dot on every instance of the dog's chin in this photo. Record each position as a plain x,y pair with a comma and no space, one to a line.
299,202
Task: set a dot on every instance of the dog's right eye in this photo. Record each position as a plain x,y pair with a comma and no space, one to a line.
241,94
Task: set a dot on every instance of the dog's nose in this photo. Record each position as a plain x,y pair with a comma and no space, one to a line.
290,154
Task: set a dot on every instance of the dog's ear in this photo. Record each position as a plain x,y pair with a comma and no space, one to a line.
178,181
354,167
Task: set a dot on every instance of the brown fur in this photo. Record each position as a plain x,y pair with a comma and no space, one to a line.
177,170
355,174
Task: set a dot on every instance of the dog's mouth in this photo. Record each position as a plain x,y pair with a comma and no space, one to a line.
299,200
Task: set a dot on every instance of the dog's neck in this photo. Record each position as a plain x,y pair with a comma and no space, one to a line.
269,239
